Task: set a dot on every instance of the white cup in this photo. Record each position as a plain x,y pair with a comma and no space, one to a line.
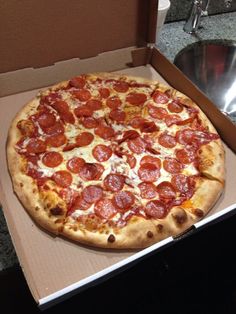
163,7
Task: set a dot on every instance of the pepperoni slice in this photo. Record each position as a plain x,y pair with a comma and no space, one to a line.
113,102
156,209
80,204
46,120
84,139
114,182
83,111
117,115
104,92
94,104
37,175
56,140
90,171
57,128
49,99
63,110
171,119
136,98
105,132
69,147
131,160
128,135
148,127
123,200
52,159
152,150
157,112
148,190
166,140
137,145
186,121
151,160
121,86
172,165
69,196
136,122
82,94
185,156
92,194
74,164
33,159
105,209
102,152
175,106
68,117
159,97
204,137
181,183
185,136
60,106
36,146
166,190
148,172
62,178
89,122
78,82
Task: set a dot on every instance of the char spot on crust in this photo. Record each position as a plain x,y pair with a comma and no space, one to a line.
150,234
159,228
180,216
60,229
206,163
58,221
36,208
56,211
21,185
75,228
111,238
198,212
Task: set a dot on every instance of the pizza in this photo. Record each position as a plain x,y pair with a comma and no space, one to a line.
114,161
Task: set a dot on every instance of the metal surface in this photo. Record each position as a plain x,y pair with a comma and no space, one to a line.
199,8
211,65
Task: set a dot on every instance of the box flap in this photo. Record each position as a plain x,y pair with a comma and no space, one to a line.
40,33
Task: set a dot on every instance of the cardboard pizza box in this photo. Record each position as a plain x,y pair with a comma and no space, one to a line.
49,41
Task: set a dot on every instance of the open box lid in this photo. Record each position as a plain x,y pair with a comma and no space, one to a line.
63,30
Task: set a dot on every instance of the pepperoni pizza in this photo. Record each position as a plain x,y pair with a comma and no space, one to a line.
115,161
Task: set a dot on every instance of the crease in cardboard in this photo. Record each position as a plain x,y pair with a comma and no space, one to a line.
31,78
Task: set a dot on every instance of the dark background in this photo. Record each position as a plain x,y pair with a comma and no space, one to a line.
197,274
